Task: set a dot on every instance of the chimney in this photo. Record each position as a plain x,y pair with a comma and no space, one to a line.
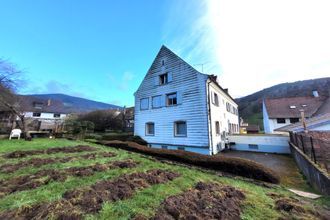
49,102
315,93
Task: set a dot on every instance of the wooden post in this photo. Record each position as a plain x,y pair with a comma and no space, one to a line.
313,151
303,121
302,143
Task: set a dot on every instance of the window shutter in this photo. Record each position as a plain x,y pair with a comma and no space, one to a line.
157,80
163,100
179,97
170,77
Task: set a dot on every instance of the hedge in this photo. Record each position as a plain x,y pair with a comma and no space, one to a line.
233,165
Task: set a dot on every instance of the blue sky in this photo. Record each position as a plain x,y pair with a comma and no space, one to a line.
101,50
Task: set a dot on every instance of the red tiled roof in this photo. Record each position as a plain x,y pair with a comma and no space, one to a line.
281,107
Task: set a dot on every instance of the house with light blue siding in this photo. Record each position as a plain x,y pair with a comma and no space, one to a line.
177,107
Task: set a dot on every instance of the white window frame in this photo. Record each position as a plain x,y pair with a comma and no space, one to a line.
147,131
176,129
176,99
217,128
216,99
165,75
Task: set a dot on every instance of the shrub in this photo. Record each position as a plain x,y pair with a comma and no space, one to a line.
124,137
236,166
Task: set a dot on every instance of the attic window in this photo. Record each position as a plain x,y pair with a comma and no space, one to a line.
163,62
292,106
163,79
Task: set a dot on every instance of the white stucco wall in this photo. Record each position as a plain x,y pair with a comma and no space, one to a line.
44,115
220,113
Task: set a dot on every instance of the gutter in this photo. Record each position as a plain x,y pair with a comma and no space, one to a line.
210,118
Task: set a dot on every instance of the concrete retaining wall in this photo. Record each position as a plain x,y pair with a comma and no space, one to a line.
317,177
260,143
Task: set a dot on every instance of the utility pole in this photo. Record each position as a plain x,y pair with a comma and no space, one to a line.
303,121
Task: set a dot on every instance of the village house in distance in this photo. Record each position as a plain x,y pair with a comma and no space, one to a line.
284,114
177,107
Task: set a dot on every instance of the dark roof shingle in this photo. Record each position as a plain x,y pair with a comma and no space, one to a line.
290,107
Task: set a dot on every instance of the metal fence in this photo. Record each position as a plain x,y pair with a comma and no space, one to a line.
318,150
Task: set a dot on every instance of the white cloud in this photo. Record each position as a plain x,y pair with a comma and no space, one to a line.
123,83
257,43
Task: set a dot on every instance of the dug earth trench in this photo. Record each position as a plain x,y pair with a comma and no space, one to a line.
54,150
88,200
204,201
38,162
293,208
43,177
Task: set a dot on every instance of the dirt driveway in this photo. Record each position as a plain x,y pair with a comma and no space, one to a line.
284,165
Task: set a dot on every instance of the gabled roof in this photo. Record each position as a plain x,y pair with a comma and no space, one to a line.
34,104
165,51
310,123
290,107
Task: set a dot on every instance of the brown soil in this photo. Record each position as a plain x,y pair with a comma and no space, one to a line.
43,177
204,201
93,156
54,150
89,200
35,162
38,162
292,208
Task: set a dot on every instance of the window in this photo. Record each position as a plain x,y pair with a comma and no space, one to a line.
228,107
294,120
163,62
253,146
217,128
216,99
180,129
171,99
37,105
150,128
163,79
144,103
164,147
156,101
181,148
281,121
57,115
36,114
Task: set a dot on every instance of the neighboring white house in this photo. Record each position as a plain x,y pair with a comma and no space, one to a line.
282,112
49,113
177,107
316,123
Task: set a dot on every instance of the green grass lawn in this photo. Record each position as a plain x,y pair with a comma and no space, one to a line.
257,205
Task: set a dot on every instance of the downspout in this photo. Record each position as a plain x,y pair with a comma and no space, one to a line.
210,118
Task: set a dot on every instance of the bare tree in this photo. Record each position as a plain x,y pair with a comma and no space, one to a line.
9,81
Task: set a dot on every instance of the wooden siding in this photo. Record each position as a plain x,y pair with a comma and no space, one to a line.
190,86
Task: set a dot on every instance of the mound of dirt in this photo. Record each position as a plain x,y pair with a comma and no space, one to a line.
205,201
78,202
35,162
38,162
93,156
43,177
232,165
54,150
292,208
